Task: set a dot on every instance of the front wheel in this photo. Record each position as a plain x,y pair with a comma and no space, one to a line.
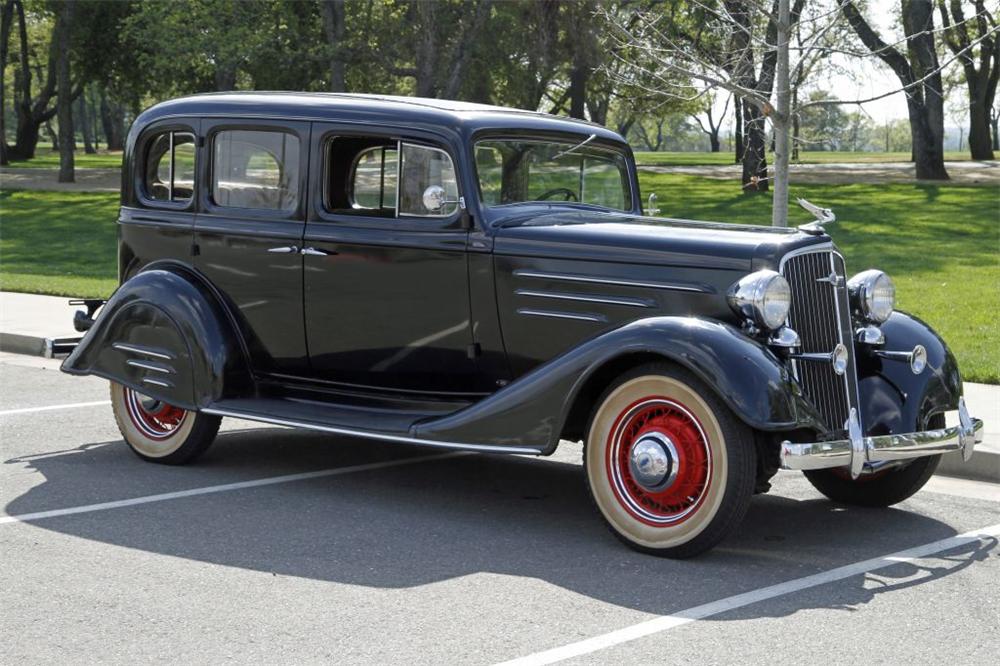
881,489
668,465
158,432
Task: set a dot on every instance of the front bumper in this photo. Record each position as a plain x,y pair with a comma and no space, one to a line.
859,451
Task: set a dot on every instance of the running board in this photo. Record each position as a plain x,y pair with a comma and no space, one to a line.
369,434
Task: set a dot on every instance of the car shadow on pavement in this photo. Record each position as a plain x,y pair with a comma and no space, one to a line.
412,525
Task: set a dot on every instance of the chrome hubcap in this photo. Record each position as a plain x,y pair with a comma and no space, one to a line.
653,461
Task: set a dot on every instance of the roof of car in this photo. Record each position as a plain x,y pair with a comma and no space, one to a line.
333,106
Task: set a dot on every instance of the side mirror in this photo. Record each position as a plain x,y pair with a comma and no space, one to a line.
434,198
651,208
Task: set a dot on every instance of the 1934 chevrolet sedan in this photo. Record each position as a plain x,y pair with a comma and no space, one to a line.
479,278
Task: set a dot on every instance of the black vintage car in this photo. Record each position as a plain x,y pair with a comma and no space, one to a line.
479,278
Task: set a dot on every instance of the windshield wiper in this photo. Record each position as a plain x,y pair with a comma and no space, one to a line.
575,148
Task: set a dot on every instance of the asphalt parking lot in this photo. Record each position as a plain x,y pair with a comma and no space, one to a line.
282,546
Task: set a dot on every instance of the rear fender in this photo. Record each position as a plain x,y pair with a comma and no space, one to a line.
533,411
164,333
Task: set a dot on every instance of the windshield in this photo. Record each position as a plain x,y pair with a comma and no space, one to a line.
515,171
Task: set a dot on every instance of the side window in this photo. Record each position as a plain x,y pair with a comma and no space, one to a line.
373,181
256,169
376,177
169,167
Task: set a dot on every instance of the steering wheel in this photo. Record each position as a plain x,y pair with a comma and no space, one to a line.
568,194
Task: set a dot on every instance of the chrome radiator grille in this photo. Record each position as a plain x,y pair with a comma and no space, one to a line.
820,314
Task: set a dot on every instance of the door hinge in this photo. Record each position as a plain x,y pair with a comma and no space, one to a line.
195,250
474,350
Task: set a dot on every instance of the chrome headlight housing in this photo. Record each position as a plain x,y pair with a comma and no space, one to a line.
763,298
873,295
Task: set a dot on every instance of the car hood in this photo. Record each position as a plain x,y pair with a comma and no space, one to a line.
606,236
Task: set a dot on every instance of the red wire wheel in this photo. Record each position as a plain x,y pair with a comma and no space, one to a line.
153,418
659,461
669,466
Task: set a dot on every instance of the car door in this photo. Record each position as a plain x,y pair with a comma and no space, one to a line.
386,279
248,235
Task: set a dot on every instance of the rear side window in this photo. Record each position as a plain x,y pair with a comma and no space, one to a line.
169,168
256,169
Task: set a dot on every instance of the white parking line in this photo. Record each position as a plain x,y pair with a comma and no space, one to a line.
226,487
666,622
49,408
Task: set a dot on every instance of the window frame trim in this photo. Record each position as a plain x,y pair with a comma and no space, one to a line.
326,131
139,181
213,126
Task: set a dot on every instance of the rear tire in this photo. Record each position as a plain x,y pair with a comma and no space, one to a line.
881,489
158,432
668,465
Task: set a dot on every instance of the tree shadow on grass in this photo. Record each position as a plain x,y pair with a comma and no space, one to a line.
416,524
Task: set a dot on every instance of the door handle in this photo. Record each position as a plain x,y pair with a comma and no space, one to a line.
313,252
285,249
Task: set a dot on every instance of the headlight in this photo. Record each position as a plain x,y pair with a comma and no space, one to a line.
873,295
762,297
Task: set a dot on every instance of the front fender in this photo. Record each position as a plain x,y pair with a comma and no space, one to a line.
532,411
893,399
165,334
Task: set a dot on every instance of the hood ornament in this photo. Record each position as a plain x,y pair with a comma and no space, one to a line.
822,215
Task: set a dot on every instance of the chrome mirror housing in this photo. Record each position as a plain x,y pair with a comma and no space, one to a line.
435,198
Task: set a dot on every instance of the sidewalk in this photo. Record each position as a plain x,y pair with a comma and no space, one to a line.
31,324
87,180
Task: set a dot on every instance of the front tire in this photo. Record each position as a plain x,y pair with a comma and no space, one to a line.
669,466
158,432
881,489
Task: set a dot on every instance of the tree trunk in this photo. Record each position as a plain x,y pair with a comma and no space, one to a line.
980,146
996,130
796,125
754,160
83,119
737,130
920,77
713,141
6,23
779,207
65,99
112,119
334,27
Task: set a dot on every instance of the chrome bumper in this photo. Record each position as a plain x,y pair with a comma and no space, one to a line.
859,450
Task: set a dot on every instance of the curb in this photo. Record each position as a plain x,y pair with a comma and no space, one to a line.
984,465
31,345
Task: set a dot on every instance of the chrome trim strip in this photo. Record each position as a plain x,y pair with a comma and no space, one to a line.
561,315
610,300
149,366
484,448
809,249
882,448
156,382
143,351
840,336
566,277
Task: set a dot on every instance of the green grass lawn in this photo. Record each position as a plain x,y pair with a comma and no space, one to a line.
807,157
61,243
46,158
941,245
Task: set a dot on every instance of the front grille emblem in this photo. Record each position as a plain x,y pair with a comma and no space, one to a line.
832,278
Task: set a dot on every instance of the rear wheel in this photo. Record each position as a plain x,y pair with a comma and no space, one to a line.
880,489
668,465
158,432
